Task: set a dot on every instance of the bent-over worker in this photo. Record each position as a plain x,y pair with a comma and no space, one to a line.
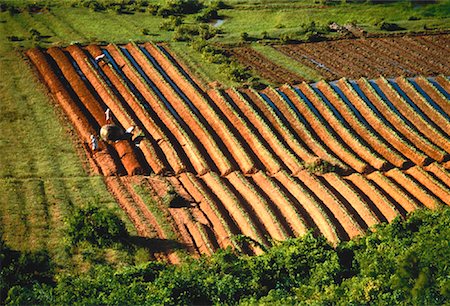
94,143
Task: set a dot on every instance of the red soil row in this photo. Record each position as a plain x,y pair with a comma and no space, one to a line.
230,162
372,57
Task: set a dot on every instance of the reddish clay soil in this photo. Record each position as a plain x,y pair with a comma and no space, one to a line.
434,185
273,140
311,205
197,82
258,206
354,143
238,161
333,203
196,134
246,131
395,191
421,193
434,94
219,129
432,133
390,135
413,136
361,206
282,202
439,172
328,136
265,68
440,123
302,130
370,136
234,208
280,131
444,82
372,57
368,189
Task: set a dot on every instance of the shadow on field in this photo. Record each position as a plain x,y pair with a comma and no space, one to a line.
156,245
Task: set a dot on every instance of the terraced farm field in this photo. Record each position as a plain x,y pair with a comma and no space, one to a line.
354,58
335,158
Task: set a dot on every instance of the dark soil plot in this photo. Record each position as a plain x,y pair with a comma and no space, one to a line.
372,57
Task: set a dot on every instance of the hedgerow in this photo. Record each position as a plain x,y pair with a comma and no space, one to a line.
405,262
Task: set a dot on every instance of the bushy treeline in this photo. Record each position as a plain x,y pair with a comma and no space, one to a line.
403,263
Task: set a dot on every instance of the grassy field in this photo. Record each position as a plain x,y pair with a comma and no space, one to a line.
42,177
276,18
287,63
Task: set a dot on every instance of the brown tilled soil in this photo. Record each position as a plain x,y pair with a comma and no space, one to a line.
370,57
288,138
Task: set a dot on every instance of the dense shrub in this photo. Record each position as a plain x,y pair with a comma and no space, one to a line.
179,7
35,35
171,23
118,6
320,166
245,36
208,14
22,269
387,26
403,263
96,226
189,32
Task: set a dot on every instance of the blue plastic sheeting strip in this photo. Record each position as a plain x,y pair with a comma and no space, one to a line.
391,106
412,104
169,80
291,105
275,109
353,109
330,106
427,97
439,88
126,80
152,85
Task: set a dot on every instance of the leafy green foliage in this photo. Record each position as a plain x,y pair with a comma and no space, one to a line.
179,7
405,262
388,26
171,23
208,14
189,32
96,226
320,166
22,269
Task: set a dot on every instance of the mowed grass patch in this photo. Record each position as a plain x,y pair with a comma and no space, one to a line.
34,212
66,25
287,63
111,27
32,141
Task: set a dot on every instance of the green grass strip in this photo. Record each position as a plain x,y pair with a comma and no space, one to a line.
288,63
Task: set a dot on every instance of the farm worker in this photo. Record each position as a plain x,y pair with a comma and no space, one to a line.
129,130
99,58
108,116
128,133
94,143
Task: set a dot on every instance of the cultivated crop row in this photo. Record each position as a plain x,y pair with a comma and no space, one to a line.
241,168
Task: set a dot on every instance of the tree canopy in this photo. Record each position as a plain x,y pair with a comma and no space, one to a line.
405,262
